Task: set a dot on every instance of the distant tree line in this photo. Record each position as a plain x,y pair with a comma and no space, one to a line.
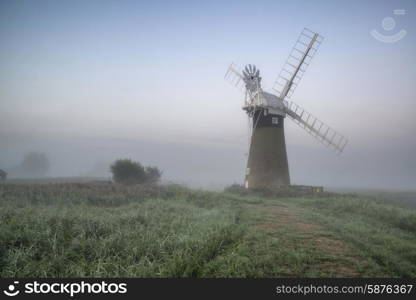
126,171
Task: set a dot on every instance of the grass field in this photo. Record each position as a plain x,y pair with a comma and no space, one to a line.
108,230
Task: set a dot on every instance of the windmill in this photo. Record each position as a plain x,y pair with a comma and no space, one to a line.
267,164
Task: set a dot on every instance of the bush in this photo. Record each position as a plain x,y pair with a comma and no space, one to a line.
126,171
153,174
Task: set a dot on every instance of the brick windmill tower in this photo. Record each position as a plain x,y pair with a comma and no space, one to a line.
267,164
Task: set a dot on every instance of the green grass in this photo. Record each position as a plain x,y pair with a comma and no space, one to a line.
108,230
87,230
382,232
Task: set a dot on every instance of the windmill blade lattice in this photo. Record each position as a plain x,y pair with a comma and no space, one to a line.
235,77
322,132
296,64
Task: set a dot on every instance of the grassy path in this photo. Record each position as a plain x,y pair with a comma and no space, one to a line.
339,236
300,247
328,256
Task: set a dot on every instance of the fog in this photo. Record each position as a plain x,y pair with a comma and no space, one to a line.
214,167
88,83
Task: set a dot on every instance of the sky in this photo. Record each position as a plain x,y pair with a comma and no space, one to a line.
87,82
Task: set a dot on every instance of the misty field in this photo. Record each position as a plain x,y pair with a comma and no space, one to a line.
109,230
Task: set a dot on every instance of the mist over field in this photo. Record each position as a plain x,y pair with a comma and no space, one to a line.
219,164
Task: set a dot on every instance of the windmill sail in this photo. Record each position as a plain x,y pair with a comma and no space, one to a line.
322,132
235,77
296,64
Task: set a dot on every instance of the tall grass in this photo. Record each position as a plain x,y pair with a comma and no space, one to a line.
109,230
382,232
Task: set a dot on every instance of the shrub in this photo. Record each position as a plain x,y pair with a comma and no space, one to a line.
126,171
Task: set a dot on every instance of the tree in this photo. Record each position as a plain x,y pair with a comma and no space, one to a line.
153,174
3,175
127,171
34,164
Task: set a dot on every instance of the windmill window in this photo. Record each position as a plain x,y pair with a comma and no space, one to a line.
275,120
